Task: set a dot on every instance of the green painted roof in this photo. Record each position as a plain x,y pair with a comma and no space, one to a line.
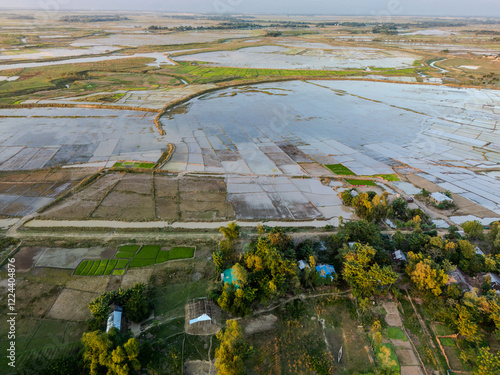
229,277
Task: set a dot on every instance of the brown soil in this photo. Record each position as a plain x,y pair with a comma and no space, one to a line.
26,258
260,324
199,368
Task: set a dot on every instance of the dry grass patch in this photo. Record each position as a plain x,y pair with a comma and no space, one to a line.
72,305
88,284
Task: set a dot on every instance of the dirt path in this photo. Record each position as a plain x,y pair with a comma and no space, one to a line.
114,224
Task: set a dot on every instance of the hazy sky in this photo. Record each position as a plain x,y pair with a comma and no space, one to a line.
489,8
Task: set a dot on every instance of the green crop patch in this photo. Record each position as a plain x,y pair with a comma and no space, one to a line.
87,268
94,268
111,265
163,256
81,267
361,182
118,272
122,263
340,169
132,165
148,252
124,255
136,263
102,267
389,177
128,248
181,253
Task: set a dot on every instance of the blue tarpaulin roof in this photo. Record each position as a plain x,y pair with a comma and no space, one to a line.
325,270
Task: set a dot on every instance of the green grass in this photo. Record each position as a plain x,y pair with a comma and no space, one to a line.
81,267
101,268
340,169
128,165
148,252
111,265
129,248
136,263
396,333
121,263
181,253
443,330
170,300
118,272
361,182
446,341
389,177
124,255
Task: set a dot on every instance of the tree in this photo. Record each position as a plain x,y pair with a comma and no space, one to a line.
103,352
427,276
473,228
363,275
387,364
467,250
466,324
232,351
361,231
487,362
138,306
399,209
135,300
231,232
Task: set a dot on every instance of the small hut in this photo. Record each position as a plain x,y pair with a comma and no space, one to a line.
202,317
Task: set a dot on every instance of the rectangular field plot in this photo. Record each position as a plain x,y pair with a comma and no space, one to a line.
175,253
132,165
340,169
134,263
129,248
148,252
132,256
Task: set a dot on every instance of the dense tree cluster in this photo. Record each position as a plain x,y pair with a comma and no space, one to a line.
135,302
110,353
231,25
363,274
232,351
265,272
92,18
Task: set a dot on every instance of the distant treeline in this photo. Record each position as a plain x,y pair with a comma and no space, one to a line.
484,32
84,18
378,25
20,17
347,24
229,26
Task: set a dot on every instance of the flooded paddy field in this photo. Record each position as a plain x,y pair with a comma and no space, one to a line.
23,193
49,137
50,53
146,197
303,55
136,40
293,128
160,59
